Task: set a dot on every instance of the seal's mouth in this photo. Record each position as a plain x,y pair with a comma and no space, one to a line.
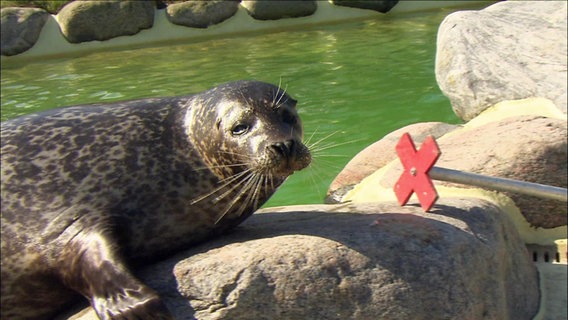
286,157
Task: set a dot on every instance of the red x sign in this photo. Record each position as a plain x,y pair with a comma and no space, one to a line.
416,166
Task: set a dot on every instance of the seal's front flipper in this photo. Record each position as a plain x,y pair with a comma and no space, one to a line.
93,268
128,304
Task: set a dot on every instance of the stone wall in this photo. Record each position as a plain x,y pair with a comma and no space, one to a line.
95,25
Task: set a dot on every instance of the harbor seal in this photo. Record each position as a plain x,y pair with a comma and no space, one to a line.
90,191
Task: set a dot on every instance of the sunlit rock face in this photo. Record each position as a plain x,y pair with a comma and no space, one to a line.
508,51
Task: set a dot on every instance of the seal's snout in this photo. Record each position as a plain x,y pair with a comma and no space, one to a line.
289,156
285,149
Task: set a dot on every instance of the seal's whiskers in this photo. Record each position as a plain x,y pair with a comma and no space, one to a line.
321,162
239,182
246,156
318,146
277,97
247,184
313,145
219,166
227,181
254,186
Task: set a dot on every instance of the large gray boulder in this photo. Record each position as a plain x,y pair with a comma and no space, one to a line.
379,154
82,21
357,261
510,50
20,29
201,14
279,9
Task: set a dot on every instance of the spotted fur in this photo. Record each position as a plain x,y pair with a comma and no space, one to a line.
88,191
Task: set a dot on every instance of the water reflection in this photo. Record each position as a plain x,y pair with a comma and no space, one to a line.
359,80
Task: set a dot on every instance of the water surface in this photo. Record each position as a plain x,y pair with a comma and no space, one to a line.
357,81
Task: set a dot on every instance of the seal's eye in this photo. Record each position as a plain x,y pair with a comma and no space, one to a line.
240,129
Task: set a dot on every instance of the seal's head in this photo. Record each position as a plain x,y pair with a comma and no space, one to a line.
254,128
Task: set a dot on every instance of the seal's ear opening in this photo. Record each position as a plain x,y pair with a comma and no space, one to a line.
288,116
292,102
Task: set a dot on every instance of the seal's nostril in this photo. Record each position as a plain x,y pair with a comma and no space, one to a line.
290,144
284,148
281,148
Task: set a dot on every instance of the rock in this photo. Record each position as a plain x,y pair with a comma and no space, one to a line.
357,261
201,14
160,4
82,21
526,148
510,50
20,29
278,9
377,5
379,154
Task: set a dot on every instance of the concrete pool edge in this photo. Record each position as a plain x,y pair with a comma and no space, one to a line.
52,43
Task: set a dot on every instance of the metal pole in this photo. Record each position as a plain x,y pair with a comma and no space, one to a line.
500,184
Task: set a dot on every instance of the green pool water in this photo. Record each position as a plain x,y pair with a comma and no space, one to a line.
355,82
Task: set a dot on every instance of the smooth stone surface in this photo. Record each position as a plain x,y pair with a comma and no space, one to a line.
20,29
274,10
201,14
379,154
83,21
510,50
356,261
528,148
